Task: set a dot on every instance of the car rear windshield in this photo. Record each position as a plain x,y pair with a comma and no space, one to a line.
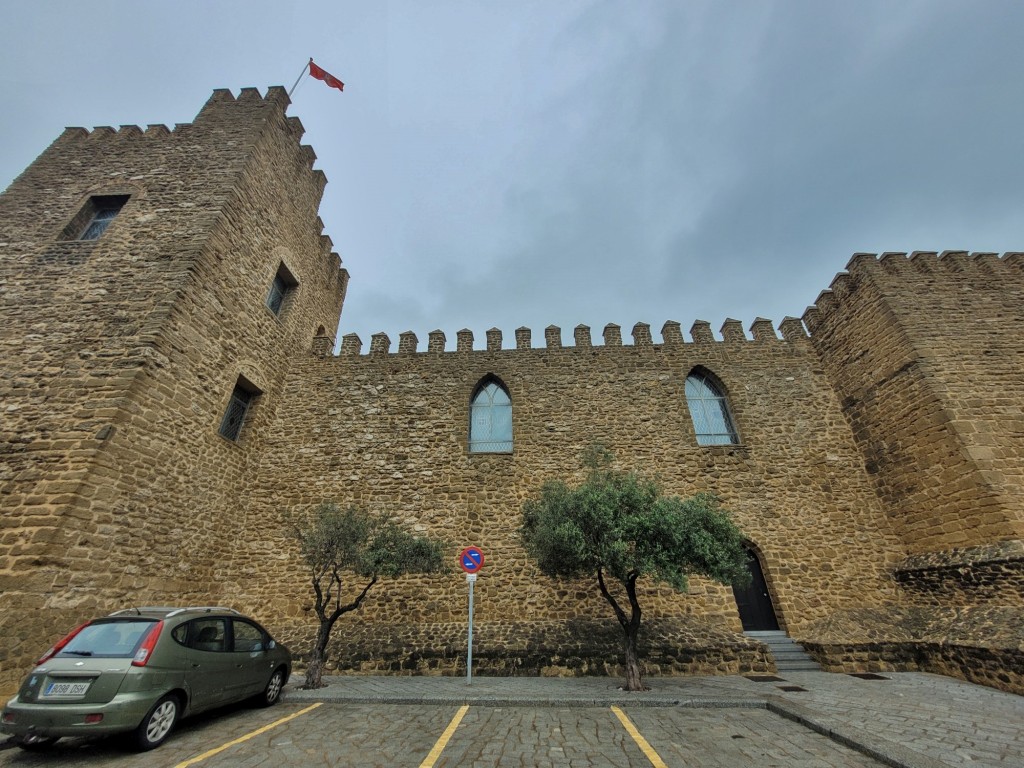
108,639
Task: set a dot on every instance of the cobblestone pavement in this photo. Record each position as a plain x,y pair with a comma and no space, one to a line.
910,719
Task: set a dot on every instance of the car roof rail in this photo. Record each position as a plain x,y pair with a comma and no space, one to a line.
143,608
204,608
170,610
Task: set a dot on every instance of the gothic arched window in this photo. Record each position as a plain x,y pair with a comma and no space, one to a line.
490,418
709,410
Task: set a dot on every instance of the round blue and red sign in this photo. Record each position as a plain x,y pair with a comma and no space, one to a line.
471,559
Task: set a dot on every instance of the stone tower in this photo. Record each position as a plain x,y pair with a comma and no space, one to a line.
152,281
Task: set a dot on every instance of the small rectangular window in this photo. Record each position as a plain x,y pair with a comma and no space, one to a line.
107,209
281,289
234,417
96,215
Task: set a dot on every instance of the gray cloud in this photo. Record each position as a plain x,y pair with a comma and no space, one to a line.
582,162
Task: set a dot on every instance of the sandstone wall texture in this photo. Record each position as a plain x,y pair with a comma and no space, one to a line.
924,355
119,355
389,431
878,471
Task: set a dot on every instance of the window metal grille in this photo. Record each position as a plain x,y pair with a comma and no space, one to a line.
107,208
490,421
278,290
231,424
709,411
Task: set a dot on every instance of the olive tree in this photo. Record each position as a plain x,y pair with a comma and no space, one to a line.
619,526
353,545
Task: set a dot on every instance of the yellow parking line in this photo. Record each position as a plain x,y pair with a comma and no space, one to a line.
641,742
429,760
264,729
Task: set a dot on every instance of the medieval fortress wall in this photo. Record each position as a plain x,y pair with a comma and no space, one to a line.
923,352
120,353
878,473
389,431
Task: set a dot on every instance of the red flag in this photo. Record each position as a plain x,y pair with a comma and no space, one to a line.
327,77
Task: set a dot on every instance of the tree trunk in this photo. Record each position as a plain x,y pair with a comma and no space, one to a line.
633,680
315,670
630,627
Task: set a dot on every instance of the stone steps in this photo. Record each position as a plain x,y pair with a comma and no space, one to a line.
789,655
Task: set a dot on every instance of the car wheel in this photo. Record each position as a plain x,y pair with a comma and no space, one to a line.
36,743
157,725
272,693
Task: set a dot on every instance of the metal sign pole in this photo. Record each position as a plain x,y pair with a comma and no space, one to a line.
471,559
471,578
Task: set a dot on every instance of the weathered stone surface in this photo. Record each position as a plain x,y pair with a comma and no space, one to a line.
879,470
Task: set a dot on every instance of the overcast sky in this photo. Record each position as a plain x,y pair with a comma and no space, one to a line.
542,162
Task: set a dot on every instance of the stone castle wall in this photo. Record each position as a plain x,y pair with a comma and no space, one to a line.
120,354
923,354
878,473
389,431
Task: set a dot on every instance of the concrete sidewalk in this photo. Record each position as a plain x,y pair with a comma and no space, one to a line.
908,719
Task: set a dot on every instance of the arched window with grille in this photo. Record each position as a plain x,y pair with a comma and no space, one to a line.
490,418
709,409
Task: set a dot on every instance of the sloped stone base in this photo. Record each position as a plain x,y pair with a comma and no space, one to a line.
557,649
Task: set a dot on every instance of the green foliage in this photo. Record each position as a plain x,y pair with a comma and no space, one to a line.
369,545
336,540
620,523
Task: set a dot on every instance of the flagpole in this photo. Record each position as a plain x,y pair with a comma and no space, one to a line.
292,90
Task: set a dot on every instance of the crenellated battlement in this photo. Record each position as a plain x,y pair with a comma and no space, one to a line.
731,333
221,107
107,132
896,269
862,266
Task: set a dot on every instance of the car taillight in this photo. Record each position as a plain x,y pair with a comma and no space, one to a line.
145,651
59,645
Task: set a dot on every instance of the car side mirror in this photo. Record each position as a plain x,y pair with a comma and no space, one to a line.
271,645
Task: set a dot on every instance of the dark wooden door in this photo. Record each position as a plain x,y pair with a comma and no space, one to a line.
755,604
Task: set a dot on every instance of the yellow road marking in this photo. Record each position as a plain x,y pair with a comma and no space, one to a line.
264,729
429,760
641,742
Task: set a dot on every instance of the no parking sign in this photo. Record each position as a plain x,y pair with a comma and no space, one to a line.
471,560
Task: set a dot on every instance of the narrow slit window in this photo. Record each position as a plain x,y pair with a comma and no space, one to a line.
709,410
238,407
490,419
281,289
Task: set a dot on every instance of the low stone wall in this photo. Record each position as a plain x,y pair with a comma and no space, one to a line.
981,644
963,576
1001,668
557,649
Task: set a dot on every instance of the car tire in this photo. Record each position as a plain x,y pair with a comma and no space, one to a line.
34,743
157,725
272,693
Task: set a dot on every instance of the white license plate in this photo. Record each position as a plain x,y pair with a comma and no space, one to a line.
66,689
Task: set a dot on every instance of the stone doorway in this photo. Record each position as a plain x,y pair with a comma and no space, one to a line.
754,602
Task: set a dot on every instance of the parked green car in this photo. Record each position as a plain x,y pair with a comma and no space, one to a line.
140,670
